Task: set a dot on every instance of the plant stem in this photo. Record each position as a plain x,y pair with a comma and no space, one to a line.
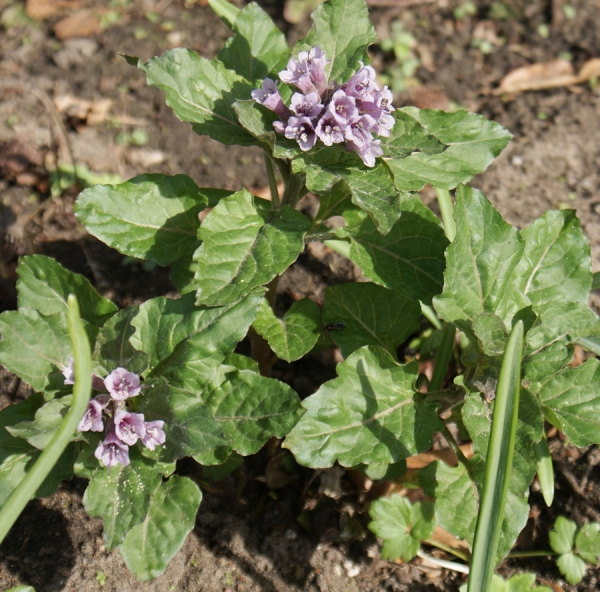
294,190
319,236
448,549
272,181
430,315
51,454
443,563
462,459
442,357
446,207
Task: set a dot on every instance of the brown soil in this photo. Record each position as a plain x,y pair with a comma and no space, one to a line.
247,537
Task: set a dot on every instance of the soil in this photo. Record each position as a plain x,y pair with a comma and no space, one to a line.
248,536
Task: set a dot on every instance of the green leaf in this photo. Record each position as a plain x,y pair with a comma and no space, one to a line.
295,334
409,259
48,419
369,414
472,142
572,567
258,49
36,348
556,264
401,525
149,546
258,120
190,428
187,344
202,92
587,542
150,217
44,285
251,409
245,245
371,314
549,341
524,582
572,398
453,488
562,536
17,456
491,333
21,589
121,496
372,187
480,262
113,348
341,28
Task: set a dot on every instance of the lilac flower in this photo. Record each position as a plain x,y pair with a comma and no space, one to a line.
297,73
302,130
69,371
362,84
306,105
358,131
269,96
343,107
122,384
329,129
316,61
92,418
129,427
112,451
155,435
368,152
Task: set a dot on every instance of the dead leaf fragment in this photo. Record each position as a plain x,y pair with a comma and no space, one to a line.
81,24
92,112
43,9
552,74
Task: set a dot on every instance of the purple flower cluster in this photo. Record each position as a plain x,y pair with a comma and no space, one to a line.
123,428
349,113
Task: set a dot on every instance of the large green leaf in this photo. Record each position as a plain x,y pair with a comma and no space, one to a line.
150,217
371,314
472,142
245,245
258,49
190,428
548,342
454,488
295,334
571,401
556,264
480,261
409,259
121,496
202,92
187,344
113,348
149,546
372,187
251,409
401,525
341,28
370,414
17,456
44,285
36,348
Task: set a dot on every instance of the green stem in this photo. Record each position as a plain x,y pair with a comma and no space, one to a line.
51,454
542,553
272,181
430,315
446,207
459,567
448,549
462,459
596,281
442,357
319,236
294,190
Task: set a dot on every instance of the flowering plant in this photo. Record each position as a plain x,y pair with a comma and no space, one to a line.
504,309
